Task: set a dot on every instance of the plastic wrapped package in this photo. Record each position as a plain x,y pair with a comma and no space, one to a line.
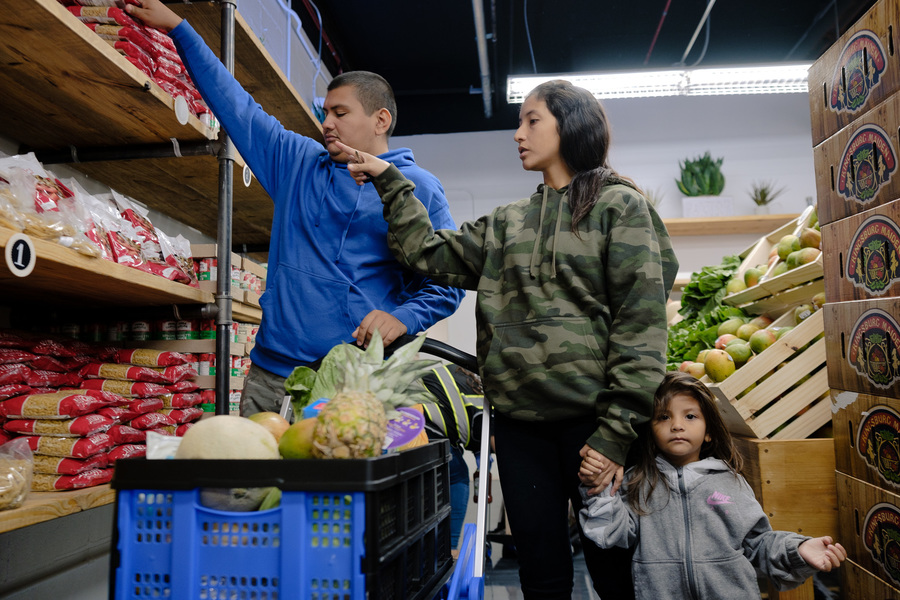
16,473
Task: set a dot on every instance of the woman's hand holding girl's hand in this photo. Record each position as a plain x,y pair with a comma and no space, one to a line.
597,472
154,13
822,553
362,164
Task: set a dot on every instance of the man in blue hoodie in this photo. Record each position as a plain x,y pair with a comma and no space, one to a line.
331,277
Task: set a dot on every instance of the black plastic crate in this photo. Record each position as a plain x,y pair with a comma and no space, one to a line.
344,528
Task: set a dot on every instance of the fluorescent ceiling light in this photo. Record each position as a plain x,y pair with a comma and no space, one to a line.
777,79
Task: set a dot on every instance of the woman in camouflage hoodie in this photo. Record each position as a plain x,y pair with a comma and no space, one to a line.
572,285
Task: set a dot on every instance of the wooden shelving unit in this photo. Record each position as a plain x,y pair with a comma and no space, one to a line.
65,89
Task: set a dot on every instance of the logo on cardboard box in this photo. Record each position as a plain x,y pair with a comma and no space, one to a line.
872,262
881,536
878,442
875,348
867,164
857,72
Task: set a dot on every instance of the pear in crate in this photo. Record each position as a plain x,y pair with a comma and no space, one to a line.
353,424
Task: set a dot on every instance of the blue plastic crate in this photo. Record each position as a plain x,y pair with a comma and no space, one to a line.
387,538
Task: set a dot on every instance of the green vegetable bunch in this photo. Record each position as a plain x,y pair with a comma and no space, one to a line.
701,176
703,312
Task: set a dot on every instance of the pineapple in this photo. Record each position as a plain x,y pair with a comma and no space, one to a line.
353,424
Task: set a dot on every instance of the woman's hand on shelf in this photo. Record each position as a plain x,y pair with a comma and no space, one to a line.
154,13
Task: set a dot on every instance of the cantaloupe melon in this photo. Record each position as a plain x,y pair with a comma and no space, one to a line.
227,437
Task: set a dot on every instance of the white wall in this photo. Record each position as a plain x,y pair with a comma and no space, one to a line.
762,138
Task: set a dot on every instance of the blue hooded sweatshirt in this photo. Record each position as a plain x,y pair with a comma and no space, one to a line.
329,263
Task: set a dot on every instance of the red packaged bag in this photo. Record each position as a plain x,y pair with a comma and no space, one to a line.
51,483
59,365
126,451
127,412
125,434
14,355
124,388
58,405
151,420
36,378
182,429
123,32
82,426
145,357
184,386
51,465
102,14
183,415
181,400
78,447
163,375
13,389
13,373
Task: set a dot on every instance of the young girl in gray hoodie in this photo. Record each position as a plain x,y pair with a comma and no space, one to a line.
696,528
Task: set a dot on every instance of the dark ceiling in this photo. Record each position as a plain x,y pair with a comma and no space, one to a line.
428,52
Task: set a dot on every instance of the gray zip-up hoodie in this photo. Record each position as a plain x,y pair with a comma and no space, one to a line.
701,540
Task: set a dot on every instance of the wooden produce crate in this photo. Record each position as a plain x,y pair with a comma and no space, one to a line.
870,527
867,437
769,295
856,168
794,482
856,73
862,253
859,584
863,346
762,398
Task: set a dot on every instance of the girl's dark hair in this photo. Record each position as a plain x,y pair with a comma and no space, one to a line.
372,90
646,476
583,141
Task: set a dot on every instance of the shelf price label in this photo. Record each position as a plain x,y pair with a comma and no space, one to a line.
20,255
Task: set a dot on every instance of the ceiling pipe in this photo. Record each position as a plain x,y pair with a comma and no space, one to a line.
705,16
483,66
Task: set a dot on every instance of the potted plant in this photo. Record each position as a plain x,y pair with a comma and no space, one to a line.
702,183
764,193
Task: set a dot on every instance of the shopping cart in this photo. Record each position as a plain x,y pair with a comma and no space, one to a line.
467,579
358,529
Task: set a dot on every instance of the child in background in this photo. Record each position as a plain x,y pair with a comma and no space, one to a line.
693,520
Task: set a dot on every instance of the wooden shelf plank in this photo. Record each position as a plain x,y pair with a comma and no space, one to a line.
727,225
62,274
45,506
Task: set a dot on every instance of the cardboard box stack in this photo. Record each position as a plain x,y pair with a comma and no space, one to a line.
855,102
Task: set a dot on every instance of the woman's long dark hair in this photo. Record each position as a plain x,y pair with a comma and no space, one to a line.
645,476
583,141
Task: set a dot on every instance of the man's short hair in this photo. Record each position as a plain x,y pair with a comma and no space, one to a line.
372,90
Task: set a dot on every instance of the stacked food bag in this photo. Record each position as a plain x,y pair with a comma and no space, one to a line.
106,225
81,407
148,49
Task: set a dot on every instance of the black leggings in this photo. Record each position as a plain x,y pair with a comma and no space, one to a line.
537,463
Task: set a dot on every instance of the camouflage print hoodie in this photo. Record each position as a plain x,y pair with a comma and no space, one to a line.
569,326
